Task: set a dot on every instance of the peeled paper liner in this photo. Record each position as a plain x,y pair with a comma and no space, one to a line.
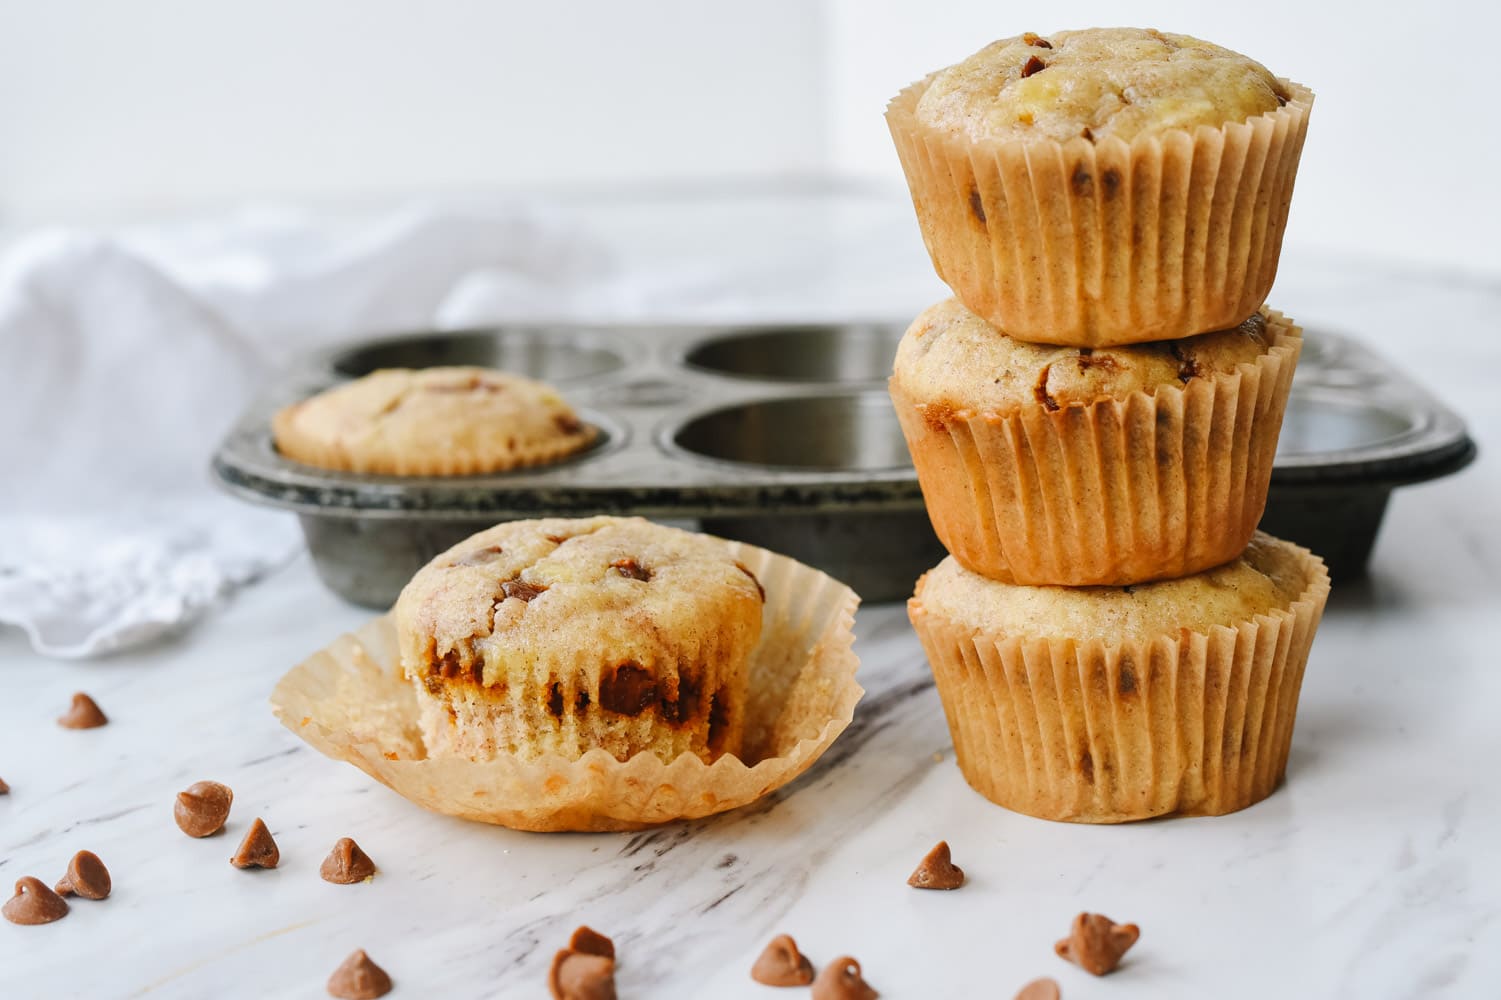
1120,491
350,701
1192,723
1093,243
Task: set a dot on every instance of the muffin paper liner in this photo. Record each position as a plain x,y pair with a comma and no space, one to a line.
349,700
1193,723
1120,491
1090,244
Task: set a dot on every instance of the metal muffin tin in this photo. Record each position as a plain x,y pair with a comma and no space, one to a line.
782,436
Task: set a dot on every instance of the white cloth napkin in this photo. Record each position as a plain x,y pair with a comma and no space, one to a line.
124,357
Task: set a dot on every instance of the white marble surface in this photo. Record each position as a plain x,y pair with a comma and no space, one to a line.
1373,873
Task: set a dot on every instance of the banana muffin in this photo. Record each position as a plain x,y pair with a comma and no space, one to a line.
451,421
1048,465
1106,704
1104,186
560,636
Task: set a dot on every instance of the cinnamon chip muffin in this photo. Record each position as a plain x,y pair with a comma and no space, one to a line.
1063,466
1104,186
559,636
431,422
1100,705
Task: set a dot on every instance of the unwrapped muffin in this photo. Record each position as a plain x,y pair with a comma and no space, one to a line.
559,636
431,422
1101,705
1104,186
1079,466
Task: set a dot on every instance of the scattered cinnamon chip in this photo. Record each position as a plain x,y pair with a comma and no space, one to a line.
83,713
4,788
258,849
346,864
578,976
588,941
631,569
841,980
86,876
937,870
1032,65
203,808
358,978
1096,943
34,903
1032,38
781,964
1040,989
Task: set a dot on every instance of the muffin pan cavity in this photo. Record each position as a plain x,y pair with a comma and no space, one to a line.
781,436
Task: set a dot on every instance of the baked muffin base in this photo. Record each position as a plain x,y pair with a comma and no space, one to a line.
1123,491
352,702
1092,244
1194,723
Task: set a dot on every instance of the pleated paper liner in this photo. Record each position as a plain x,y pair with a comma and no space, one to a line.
1122,491
1192,723
350,701
1090,244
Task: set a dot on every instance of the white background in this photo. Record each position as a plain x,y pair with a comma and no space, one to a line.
111,111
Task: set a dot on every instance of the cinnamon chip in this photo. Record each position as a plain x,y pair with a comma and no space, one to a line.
578,976
86,876
937,870
1033,65
358,978
4,788
1095,943
1032,38
588,941
346,864
203,808
82,714
841,980
1040,989
781,964
34,903
631,569
258,849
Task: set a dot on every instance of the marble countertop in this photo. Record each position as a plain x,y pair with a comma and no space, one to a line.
1373,873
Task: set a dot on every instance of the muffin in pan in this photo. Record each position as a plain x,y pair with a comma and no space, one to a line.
561,636
1045,465
1104,186
1103,705
447,421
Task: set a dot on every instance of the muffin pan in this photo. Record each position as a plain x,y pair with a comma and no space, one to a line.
782,437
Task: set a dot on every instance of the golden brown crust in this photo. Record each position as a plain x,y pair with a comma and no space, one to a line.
1097,83
558,636
955,362
431,422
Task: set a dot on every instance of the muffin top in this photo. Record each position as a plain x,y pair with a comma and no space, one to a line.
1097,83
1269,575
952,358
431,421
538,597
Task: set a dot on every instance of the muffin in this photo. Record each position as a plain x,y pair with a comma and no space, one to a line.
1102,705
559,636
1045,465
431,422
1106,186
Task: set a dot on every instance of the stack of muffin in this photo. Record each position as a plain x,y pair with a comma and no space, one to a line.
1094,416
